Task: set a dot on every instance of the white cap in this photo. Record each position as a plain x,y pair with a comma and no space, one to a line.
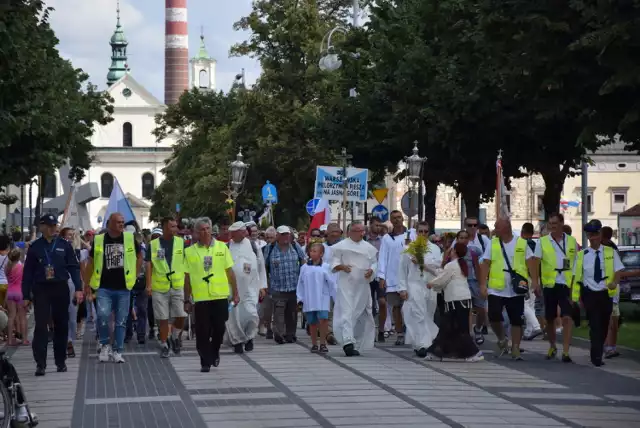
238,225
283,229
131,228
250,224
323,228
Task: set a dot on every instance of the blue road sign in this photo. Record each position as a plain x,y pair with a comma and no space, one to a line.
311,206
381,212
269,193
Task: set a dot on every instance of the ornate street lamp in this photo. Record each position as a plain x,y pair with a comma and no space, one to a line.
414,173
330,61
237,177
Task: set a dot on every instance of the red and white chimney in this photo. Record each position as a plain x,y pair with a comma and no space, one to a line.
176,52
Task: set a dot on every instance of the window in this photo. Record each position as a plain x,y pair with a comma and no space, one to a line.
106,185
127,135
590,202
148,185
49,186
203,79
618,201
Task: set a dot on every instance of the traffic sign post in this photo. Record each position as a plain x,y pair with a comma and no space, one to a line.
409,203
269,193
381,212
380,194
311,206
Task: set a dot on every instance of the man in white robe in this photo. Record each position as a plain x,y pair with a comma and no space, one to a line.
355,261
242,325
420,303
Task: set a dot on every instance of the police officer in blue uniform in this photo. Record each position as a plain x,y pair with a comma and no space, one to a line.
49,264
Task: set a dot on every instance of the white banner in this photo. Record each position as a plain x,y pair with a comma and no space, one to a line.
330,184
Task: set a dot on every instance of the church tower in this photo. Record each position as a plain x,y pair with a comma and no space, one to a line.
119,43
203,69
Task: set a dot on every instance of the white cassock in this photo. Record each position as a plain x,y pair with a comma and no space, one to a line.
352,316
248,267
316,287
421,304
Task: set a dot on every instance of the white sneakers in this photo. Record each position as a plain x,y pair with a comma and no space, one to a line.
478,357
106,355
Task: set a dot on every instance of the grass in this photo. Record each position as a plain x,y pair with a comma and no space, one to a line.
628,335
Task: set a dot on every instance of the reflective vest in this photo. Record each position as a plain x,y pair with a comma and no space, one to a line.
549,261
163,276
212,284
609,273
498,265
130,260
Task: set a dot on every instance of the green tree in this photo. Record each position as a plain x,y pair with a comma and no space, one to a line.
611,37
47,108
556,112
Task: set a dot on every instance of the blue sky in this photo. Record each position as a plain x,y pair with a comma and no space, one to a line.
84,28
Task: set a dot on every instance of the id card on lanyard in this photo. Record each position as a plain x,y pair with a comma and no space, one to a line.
565,261
49,271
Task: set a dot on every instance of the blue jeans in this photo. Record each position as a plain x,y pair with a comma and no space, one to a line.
110,301
141,301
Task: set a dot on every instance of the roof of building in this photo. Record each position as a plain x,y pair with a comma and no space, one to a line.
634,211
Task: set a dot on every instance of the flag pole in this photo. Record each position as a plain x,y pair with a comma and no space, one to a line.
498,184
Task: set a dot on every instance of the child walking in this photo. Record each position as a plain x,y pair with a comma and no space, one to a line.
316,287
15,304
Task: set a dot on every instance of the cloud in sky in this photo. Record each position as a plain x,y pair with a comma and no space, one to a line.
84,28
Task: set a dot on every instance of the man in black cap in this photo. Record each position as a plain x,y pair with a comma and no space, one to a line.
596,277
49,264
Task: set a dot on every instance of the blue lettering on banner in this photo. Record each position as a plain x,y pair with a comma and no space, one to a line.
330,184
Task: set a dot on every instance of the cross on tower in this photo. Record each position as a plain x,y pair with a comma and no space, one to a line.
500,154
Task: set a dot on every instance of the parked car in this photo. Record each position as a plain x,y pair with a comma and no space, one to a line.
630,287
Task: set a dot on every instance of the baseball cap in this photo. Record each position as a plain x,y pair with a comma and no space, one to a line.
594,226
156,231
283,229
49,220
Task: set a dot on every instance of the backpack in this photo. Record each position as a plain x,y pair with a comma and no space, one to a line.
270,247
254,247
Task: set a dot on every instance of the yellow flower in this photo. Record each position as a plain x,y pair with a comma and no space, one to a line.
417,250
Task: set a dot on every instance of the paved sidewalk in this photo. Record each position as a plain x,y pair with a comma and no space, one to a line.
287,386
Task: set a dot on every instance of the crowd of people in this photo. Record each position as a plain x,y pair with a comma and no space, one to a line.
438,294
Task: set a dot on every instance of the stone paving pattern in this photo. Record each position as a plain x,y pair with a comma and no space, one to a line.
287,386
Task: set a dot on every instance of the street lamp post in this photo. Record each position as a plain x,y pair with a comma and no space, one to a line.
237,178
330,61
414,174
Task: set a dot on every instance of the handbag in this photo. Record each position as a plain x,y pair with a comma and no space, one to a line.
519,283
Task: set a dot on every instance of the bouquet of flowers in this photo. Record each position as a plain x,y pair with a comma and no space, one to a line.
417,250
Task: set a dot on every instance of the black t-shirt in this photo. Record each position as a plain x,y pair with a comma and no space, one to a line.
113,263
167,246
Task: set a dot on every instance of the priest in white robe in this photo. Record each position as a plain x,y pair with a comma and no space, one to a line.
251,278
420,302
355,261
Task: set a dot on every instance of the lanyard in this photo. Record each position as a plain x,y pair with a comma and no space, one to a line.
207,252
564,243
49,254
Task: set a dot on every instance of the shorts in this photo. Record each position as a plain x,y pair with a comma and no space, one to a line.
513,305
15,296
558,295
616,310
376,291
394,300
314,317
168,305
476,298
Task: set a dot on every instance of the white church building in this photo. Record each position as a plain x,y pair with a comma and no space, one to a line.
125,149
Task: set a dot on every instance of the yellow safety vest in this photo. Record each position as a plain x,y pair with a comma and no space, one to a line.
130,261
216,285
549,260
609,273
498,265
163,276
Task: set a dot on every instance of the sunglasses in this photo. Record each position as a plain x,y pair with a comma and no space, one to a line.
315,236
423,232
472,224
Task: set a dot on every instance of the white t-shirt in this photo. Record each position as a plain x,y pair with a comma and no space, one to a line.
509,248
560,255
3,264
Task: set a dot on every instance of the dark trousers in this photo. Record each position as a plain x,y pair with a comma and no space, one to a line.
149,312
51,302
139,298
285,313
598,306
211,317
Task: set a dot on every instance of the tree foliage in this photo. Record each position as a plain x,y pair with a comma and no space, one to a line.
47,108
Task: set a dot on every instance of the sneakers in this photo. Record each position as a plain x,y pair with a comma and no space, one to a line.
566,358
177,346
533,335
515,354
164,351
552,353
400,340
323,349
314,349
478,336
117,357
478,357
105,354
503,348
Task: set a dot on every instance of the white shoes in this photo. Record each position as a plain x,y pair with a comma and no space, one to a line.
478,357
105,354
